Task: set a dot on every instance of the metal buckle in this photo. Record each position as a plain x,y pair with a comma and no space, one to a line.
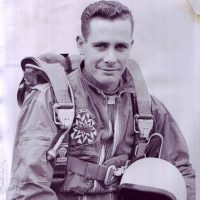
61,156
120,171
143,125
112,171
110,174
63,114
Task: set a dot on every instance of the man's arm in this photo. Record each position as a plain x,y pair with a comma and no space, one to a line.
31,172
175,149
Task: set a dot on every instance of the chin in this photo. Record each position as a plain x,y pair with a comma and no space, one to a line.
108,82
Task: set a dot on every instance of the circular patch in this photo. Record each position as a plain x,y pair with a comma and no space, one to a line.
83,131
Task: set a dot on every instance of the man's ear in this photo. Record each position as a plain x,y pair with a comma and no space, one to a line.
80,43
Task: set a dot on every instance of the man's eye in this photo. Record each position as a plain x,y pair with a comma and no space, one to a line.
121,47
100,47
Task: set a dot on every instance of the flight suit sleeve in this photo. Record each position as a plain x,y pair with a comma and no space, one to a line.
174,149
31,173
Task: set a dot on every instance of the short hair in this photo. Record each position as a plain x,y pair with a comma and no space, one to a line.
107,10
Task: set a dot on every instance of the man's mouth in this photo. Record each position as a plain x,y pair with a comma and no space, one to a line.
110,70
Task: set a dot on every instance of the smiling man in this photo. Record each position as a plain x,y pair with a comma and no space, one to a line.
106,49
106,135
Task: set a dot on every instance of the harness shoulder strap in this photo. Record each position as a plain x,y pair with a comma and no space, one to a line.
37,71
55,74
143,120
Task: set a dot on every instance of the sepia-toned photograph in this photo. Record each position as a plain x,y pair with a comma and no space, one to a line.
99,99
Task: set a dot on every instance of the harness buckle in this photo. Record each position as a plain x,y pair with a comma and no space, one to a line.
143,124
120,171
63,114
113,171
110,174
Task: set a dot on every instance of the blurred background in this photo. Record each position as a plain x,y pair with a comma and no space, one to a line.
167,38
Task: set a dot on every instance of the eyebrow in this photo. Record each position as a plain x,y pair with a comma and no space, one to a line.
107,43
97,43
122,44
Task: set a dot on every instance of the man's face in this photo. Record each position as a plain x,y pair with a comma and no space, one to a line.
106,51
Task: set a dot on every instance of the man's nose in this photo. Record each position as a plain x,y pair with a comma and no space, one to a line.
110,57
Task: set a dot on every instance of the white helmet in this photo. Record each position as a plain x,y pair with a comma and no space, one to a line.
152,179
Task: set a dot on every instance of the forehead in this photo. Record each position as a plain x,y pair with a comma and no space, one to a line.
106,29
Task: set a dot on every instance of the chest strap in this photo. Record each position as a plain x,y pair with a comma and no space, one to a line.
111,168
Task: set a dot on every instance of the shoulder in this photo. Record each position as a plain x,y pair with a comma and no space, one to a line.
159,112
40,95
157,106
73,76
36,112
162,116
75,80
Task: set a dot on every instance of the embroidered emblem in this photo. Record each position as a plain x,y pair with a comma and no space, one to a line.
84,131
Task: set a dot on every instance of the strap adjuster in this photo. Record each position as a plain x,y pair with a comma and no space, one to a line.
113,171
63,114
120,171
143,125
110,174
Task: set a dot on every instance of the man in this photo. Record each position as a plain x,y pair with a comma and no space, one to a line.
102,135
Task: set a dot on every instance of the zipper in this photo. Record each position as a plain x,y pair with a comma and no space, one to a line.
111,105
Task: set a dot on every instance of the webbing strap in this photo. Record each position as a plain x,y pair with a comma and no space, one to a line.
64,108
92,170
142,94
87,169
56,74
144,119
59,82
